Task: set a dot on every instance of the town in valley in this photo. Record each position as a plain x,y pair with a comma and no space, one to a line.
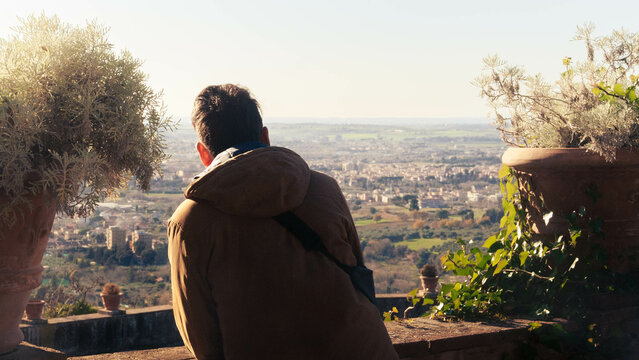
416,188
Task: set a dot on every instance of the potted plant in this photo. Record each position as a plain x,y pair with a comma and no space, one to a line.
575,141
77,121
34,309
111,296
429,278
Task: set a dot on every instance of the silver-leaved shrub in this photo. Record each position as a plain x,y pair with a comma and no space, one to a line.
77,118
592,105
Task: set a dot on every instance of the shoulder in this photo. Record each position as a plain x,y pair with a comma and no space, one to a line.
323,184
324,192
191,214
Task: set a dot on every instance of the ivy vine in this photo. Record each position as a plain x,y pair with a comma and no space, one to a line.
517,272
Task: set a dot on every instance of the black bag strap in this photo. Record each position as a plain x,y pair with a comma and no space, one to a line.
361,277
309,238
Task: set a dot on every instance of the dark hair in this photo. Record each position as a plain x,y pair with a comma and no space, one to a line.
226,115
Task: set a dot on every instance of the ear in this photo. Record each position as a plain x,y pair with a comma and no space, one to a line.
205,155
264,139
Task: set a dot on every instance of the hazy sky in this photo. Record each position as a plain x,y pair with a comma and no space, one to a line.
397,58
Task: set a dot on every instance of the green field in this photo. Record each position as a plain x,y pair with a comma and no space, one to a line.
359,136
364,222
390,132
179,195
421,243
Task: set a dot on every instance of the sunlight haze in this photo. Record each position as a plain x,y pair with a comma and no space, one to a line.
371,59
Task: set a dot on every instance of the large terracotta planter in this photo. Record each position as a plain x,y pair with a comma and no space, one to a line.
564,178
21,249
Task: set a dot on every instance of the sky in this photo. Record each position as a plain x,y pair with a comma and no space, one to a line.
338,59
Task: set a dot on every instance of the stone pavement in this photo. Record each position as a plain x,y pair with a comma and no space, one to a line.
170,353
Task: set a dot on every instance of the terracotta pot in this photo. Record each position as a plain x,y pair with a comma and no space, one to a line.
563,178
34,309
22,246
429,283
111,301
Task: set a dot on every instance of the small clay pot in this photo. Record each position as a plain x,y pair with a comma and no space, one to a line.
111,301
34,309
429,283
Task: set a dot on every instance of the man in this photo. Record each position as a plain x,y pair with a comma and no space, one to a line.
243,285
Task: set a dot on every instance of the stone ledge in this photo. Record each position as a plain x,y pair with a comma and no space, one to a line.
414,339
26,351
423,338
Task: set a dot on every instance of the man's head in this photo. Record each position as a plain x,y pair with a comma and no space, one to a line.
226,115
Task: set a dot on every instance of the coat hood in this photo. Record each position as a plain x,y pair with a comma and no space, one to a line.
260,183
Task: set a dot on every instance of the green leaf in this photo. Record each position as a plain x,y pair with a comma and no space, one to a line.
485,259
474,277
534,325
596,91
457,286
502,264
510,228
504,220
456,303
522,257
497,257
504,171
490,241
428,301
412,294
446,288
466,271
511,188
619,90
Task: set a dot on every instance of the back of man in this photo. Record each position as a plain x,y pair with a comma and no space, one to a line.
244,287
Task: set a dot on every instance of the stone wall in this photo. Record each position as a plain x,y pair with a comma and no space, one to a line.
153,328
143,328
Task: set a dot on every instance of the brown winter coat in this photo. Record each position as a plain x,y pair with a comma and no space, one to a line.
245,288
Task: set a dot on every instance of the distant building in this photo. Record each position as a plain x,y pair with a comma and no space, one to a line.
434,201
115,237
143,237
348,166
474,196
